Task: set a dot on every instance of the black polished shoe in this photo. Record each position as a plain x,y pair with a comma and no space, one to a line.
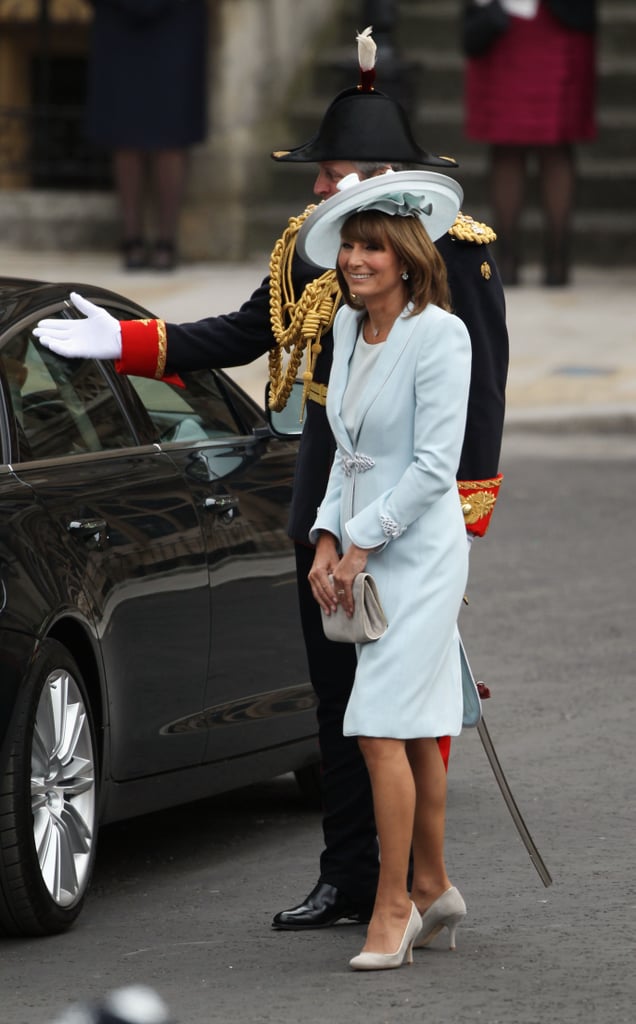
324,906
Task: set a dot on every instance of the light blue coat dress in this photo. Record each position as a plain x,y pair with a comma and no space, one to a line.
393,486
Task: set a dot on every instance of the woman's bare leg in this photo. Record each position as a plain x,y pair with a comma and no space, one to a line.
429,869
394,806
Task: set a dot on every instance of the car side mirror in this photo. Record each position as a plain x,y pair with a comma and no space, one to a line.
290,420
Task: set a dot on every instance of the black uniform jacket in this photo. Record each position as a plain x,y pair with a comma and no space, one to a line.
478,299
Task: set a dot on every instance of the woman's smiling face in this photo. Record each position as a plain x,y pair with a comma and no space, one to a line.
372,270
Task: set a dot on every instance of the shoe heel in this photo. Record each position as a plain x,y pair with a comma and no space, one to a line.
451,924
447,911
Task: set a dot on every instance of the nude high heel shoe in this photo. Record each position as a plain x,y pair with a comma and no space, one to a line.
385,961
445,912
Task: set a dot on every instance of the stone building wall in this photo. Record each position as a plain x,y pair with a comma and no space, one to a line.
257,50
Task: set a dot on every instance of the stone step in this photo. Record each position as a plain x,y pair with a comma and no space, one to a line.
48,219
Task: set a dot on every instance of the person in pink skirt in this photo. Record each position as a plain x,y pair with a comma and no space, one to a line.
534,89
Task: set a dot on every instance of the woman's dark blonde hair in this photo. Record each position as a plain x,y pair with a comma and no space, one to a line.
427,280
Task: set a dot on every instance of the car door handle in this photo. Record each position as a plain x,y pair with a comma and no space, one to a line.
87,527
222,505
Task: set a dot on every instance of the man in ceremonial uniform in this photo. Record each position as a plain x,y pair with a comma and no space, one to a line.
365,131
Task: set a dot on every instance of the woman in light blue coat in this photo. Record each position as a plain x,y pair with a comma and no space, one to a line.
396,403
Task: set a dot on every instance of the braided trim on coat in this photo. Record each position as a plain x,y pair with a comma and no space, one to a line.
391,528
296,325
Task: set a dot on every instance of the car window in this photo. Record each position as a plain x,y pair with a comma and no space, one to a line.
62,406
198,411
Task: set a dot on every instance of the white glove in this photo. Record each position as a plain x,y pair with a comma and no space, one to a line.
96,337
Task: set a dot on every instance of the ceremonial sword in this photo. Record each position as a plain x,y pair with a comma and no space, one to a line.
502,782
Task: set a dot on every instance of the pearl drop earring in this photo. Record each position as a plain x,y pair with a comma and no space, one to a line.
405,275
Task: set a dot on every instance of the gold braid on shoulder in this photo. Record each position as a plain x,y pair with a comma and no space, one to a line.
296,325
466,229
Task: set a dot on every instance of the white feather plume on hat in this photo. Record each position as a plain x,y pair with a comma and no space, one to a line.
367,49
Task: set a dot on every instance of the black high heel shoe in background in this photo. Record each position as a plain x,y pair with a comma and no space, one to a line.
134,254
556,265
163,255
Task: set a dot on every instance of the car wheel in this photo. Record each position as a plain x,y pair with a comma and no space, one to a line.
48,800
308,780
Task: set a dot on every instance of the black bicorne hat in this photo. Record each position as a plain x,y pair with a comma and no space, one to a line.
362,124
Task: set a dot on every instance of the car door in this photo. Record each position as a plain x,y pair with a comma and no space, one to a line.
129,540
240,476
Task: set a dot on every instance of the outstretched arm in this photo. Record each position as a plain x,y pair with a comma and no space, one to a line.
151,347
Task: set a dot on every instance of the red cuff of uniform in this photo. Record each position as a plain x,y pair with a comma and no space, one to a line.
144,349
478,499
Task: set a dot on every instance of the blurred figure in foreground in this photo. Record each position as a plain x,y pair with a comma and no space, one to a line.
146,103
534,89
135,1004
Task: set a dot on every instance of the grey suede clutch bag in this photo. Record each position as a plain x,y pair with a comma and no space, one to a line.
368,621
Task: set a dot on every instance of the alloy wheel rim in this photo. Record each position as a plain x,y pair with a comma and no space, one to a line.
63,788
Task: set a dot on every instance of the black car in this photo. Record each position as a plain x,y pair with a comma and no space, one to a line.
150,648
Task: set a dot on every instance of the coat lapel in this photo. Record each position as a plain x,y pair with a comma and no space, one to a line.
342,352
392,350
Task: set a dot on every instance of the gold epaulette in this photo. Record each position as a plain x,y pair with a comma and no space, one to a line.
465,229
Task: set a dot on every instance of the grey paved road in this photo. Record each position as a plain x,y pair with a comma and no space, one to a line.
183,900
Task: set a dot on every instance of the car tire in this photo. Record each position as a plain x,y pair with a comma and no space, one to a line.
308,780
48,800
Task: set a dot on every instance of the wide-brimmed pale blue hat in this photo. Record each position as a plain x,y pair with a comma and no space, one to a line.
434,198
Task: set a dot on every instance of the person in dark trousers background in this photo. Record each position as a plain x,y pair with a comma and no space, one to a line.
363,130
146,104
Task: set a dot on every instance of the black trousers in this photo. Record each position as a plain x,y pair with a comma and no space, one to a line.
349,859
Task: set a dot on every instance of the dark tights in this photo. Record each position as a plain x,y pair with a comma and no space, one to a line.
164,172
557,180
